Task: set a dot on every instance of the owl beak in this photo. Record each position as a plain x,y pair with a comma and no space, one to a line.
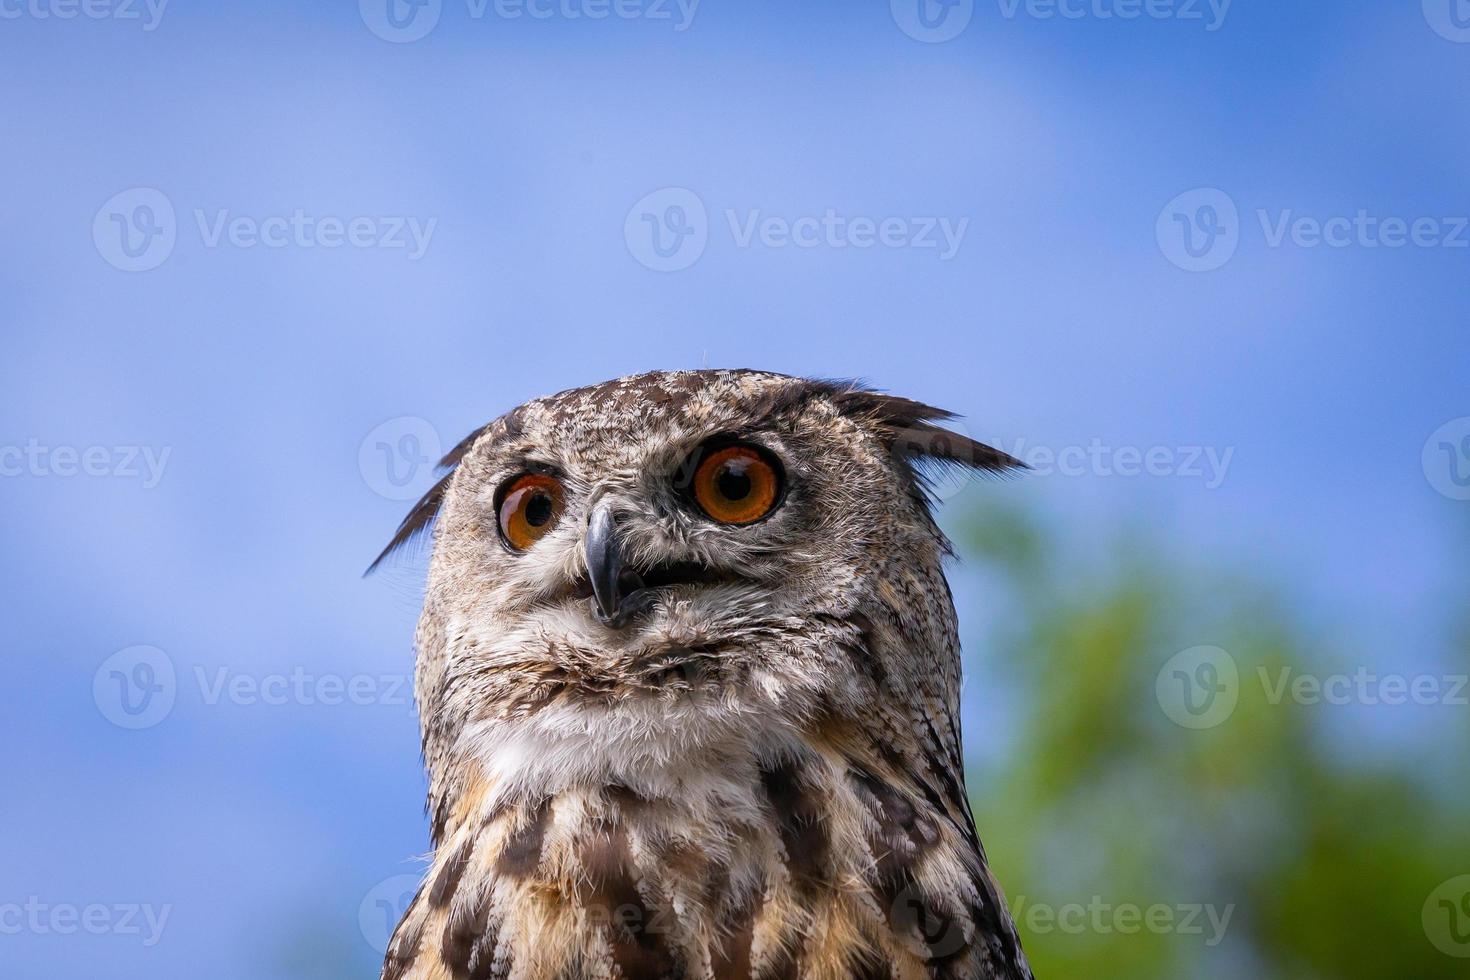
617,594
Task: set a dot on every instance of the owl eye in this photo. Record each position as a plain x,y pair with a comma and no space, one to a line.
737,484
529,507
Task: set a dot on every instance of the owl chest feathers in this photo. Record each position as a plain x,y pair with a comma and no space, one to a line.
767,854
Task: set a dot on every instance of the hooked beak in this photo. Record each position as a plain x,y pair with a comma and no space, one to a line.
617,594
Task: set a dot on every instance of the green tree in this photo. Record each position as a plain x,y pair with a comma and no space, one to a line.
1262,844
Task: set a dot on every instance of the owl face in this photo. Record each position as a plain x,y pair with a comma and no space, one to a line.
712,525
644,523
667,559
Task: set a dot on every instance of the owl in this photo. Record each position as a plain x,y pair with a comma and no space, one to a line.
688,676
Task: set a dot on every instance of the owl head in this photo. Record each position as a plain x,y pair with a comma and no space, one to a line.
652,568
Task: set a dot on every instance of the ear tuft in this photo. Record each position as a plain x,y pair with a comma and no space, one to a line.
421,517
909,430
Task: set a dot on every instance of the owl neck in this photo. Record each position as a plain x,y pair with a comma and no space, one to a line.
646,750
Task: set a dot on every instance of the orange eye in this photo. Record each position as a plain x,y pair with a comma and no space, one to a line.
737,485
529,507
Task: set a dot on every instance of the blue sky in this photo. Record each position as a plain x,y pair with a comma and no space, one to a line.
519,147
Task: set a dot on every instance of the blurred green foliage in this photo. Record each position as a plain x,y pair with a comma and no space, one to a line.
1323,855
